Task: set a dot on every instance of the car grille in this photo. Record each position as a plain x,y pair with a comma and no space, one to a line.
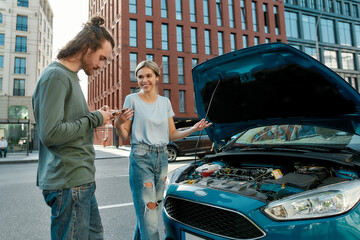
214,220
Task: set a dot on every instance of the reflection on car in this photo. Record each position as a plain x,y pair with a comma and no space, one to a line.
197,143
286,133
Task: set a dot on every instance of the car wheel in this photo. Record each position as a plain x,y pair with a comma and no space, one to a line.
172,153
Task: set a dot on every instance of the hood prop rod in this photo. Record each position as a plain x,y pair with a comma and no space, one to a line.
207,112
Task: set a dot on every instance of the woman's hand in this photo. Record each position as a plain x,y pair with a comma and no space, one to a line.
123,115
201,125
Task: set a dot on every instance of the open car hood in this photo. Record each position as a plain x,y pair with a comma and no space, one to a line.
272,84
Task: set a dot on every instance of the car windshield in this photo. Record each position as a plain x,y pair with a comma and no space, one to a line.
296,135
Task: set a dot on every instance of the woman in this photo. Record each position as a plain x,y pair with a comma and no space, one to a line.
147,118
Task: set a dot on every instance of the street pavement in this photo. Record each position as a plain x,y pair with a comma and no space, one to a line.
101,153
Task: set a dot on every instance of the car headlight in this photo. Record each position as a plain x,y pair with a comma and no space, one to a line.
173,176
323,202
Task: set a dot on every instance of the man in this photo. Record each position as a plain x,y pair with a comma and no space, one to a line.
3,146
66,171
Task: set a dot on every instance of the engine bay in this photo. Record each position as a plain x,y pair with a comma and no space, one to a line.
264,181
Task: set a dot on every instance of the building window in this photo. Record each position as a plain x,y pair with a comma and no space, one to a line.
277,22
166,72
309,27
20,65
232,41
311,52
338,9
256,41
150,57
245,41
132,6
330,59
133,64
164,37
23,3
148,7
355,11
133,33
21,23
327,31
231,14
149,35
218,13
2,39
331,6
166,93
291,22
357,35
345,34
20,45
347,9
254,15
179,38
194,62
266,18
182,101
164,9
192,11
19,87
311,4
1,83
134,90
207,42
178,9
1,61
206,11
347,60
243,15
181,70
193,40
1,18
220,43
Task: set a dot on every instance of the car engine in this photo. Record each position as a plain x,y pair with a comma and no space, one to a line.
262,181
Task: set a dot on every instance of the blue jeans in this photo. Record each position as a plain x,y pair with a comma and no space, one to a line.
5,151
147,175
74,213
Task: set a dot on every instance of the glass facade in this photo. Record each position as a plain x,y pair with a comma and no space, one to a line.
309,27
20,45
165,69
149,35
193,40
344,33
179,38
20,66
21,23
327,31
182,101
133,64
207,42
192,11
164,9
292,27
19,87
181,70
133,33
164,37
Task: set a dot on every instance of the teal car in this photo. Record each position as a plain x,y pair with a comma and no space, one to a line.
286,133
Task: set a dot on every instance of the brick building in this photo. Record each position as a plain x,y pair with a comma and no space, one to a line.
177,35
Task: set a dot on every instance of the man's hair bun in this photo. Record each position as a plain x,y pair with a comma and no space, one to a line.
97,21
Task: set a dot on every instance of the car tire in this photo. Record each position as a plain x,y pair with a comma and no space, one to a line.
172,154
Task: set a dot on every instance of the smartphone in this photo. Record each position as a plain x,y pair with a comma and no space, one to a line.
119,111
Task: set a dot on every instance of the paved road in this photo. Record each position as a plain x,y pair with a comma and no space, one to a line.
24,215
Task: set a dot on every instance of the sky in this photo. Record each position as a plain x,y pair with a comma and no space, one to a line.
69,17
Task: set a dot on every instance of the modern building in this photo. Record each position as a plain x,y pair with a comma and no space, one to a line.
26,30
328,30
177,35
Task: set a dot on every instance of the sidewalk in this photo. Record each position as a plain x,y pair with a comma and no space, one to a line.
100,151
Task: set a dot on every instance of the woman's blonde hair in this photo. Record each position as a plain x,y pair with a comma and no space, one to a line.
150,64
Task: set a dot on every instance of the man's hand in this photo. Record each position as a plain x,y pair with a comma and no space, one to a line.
106,114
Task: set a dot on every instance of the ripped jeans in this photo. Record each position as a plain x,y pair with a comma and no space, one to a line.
147,174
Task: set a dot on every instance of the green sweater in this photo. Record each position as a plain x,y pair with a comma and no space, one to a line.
65,126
